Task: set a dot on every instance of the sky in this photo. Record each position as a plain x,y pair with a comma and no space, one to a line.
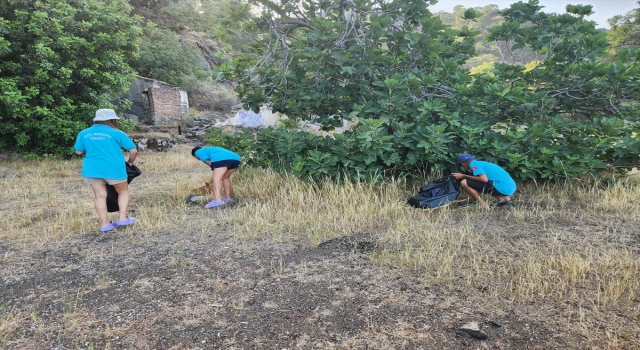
604,9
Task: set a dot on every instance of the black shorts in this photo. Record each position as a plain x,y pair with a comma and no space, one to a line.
229,164
484,187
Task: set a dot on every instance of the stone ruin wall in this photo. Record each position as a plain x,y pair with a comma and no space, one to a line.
168,105
155,102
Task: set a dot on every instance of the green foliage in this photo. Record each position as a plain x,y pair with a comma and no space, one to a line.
218,17
60,60
163,56
289,124
369,151
484,68
400,72
625,30
239,142
127,125
221,19
485,51
319,67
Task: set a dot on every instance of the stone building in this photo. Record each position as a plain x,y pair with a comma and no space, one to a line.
155,102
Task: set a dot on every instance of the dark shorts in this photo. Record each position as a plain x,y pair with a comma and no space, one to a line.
229,164
484,187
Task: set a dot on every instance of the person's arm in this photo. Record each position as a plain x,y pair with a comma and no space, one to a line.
79,153
133,154
480,178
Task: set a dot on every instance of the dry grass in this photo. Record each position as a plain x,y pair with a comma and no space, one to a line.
573,246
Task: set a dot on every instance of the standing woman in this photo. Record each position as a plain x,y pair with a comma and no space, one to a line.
103,164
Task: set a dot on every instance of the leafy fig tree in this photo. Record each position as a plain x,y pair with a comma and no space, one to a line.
60,60
331,60
400,71
580,111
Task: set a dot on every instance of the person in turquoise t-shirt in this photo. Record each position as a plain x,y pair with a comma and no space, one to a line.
487,178
223,163
103,164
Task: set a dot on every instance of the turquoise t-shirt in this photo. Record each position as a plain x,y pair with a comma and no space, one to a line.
103,156
216,154
502,181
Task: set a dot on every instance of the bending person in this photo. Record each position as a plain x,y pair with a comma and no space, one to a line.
103,164
223,164
487,178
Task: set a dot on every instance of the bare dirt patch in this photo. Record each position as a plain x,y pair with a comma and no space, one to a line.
186,291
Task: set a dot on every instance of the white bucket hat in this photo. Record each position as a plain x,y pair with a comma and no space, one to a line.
105,114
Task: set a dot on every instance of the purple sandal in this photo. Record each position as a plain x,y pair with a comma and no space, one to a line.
109,227
214,204
127,221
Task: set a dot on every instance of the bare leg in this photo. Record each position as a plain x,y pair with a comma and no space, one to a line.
473,193
226,182
503,199
100,202
123,199
216,179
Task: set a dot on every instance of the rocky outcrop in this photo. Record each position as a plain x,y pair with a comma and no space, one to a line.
153,143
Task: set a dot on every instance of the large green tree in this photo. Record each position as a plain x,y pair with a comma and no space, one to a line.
329,61
400,71
60,60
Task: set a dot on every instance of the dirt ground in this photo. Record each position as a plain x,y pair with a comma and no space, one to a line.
186,290
185,278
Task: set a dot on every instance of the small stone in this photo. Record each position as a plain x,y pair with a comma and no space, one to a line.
472,326
472,330
196,200
469,333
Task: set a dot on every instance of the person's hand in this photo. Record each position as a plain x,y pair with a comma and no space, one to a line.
207,183
457,176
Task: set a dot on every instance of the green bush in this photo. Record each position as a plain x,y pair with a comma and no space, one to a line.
60,61
379,147
127,125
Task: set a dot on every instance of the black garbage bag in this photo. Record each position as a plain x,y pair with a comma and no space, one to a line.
436,193
112,194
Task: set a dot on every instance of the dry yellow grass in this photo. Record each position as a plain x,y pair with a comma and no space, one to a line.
569,245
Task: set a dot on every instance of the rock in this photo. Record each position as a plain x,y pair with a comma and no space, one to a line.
179,138
131,117
471,326
189,122
153,144
142,128
197,200
471,330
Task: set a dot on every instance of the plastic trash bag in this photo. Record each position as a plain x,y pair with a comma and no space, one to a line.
112,194
436,193
249,119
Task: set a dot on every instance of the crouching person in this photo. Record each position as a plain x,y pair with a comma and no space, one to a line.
223,163
487,178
